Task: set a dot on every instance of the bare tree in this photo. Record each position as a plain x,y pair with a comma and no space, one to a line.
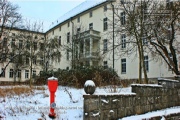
129,29
142,21
9,18
52,52
164,32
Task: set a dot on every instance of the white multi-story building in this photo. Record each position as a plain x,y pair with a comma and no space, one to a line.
85,36
92,28
19,49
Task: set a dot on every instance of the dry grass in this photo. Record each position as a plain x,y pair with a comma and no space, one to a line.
18,90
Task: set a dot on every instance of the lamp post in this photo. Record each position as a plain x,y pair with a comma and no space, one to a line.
113,33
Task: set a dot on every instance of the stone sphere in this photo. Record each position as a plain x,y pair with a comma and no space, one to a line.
89,87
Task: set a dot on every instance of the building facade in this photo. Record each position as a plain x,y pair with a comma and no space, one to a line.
86,39
20,58
90,34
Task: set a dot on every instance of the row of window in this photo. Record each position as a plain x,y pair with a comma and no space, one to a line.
11,73
105,26
78,18
123,42
124,63
20,59
20,44
105,21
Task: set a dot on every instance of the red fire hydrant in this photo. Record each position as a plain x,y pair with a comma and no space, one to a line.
52,85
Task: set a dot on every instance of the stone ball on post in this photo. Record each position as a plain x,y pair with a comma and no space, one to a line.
89,87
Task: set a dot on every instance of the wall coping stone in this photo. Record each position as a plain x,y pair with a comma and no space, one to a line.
146,85
168,80
107,95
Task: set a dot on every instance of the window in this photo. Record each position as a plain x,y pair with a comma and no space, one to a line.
13,34
123,66
146,63
41,61
27,60
19,74
36,37
122,1
35,45
67,55
105,45
78,19
20,44
105,8
60,28
3,71
11,73
144,40
90,14
123,41
3,57
68,37
26,74
53,32
5,42
59,40
169,3
105,24
78,30
13,43
34,60
41,46
11,57
67,68
105,65
91,26
34,73
87,63
28,45
20,60
68,24
123,18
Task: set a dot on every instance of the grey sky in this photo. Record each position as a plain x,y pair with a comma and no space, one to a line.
45,10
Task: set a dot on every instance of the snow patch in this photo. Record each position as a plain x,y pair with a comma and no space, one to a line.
52,78
163,118
96,114
111,111
115,100
105,101
89,83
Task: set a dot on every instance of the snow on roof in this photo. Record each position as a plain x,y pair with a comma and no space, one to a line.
77,10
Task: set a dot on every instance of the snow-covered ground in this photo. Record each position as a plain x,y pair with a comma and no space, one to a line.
69,105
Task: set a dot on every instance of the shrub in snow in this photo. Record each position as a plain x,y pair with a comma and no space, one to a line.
89,87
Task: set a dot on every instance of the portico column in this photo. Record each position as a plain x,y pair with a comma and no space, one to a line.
91,50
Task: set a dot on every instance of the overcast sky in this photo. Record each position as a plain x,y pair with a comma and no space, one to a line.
47,11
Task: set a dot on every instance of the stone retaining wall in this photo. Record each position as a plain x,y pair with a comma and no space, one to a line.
146,98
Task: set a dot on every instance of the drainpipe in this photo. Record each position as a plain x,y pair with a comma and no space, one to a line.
113,33
72,43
